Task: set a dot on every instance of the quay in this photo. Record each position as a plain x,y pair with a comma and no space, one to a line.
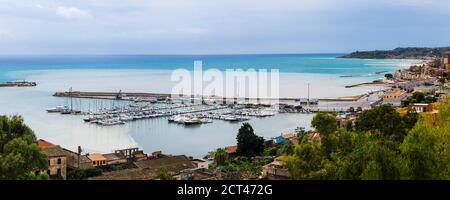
369,84
165,96
18,84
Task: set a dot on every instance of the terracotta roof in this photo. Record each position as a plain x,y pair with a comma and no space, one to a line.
231,149
288,135
44,144
96,157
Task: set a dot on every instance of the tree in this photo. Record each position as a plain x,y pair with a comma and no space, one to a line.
19,153
163,174
306,161
220,156
324,123
389,76
248,144
410,119
419,154
383,120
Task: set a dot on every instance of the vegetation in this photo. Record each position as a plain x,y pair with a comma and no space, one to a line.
163,174
419,97
399,53
81,174
20,157
375,150
220,156
389,76
248,144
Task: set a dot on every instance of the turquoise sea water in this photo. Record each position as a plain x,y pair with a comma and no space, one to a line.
296,63
152,74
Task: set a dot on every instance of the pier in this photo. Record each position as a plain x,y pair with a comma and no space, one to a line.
18,84
132,96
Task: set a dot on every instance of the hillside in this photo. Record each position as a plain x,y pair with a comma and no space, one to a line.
399,53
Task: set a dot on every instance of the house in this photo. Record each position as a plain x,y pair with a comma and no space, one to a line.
283,138
174,164
97,159
76,161
132,154
394,97
446,60
200,163
231,150
275,170
114,158
57,165
280,139
421,107
126,174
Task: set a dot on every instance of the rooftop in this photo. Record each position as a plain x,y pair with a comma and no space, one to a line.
231,149
113,156
126,174
54,151
174,163
96,157
395,92
44,144
288,135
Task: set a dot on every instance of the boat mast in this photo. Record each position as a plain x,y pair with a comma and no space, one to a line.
307,105
71,103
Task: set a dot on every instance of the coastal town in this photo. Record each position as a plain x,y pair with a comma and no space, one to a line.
416,89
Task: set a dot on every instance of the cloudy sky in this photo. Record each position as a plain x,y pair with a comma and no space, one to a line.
219,26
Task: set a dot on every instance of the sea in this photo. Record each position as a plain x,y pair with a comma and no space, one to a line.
326,74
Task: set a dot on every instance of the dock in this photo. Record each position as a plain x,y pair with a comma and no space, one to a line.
164,96
18,84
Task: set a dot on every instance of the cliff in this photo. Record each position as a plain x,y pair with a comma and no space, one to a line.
400,53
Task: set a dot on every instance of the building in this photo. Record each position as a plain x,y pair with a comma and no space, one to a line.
283,138
446,60
126,174
200,163
231,150
275,170
114,159
57,160
131,154
394,97
421,107
77,161
97,159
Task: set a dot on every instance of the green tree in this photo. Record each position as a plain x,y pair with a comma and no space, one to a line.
419,154
19,153
163,174
410,119
306,161
383,120
389,76
248,144
324,123
220,156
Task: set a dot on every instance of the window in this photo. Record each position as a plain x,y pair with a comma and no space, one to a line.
59,172
48,172
59,161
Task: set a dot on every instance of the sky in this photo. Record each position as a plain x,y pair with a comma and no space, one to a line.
220,26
